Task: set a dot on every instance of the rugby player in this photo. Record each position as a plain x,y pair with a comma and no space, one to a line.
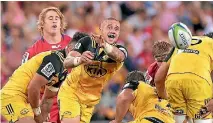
51,25
142,101
188,80
160,51
94,60
20,96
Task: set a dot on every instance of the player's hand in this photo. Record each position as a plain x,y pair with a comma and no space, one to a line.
209,106
38,119
99,39
86,57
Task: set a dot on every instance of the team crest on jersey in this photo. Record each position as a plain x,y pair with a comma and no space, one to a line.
48,70
95,70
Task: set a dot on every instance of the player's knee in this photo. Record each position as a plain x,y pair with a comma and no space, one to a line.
180,118
204,121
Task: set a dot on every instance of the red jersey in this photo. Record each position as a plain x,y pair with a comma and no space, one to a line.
151,71
41,46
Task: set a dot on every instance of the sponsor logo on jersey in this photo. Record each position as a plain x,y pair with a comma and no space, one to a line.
48,69
24,111
188,51
56,46
77,46
25,57
95,70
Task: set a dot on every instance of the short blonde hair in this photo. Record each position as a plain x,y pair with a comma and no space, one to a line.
42,15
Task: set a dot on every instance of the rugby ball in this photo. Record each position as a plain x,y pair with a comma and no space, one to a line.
180,36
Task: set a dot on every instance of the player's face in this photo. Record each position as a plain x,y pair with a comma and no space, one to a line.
52,23
110,30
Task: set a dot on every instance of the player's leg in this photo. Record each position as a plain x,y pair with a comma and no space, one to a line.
198,93
69,109
15,109
86,113
176,99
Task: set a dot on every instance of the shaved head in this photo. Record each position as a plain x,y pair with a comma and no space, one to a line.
110,30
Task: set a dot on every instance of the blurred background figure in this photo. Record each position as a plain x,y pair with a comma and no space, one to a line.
142,23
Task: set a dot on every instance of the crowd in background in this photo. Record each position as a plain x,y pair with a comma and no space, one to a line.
142,23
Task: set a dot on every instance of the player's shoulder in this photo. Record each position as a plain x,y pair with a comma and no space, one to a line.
38,43
66,37
152,67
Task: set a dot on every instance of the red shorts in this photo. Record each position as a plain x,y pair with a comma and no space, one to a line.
54,112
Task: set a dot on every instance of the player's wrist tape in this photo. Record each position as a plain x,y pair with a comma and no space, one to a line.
76,61
37,111
108,47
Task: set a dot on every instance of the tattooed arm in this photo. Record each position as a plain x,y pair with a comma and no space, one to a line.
46,102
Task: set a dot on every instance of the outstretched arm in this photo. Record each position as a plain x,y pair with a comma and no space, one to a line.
34,95
74,59
46,102
160,78
117,54
123,103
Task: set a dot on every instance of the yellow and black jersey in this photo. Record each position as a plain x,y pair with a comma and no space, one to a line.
89,79
195,60
147,105
48,64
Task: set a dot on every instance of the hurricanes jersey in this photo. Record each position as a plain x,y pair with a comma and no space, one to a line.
196,59
88,80
48,64
146,100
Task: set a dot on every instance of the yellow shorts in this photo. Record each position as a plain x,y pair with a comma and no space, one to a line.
154,116
70,107
188,96
15,107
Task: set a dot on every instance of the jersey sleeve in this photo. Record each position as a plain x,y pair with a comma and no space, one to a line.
82,45
50,69
169,56
123,49
131,85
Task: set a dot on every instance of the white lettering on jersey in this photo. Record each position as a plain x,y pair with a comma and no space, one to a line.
48,70
77,46
25,57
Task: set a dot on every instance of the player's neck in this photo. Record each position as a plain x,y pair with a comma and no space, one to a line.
52,39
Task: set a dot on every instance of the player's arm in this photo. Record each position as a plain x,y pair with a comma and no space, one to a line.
124,100
161,74
47,70
116,53
79,54
46,102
